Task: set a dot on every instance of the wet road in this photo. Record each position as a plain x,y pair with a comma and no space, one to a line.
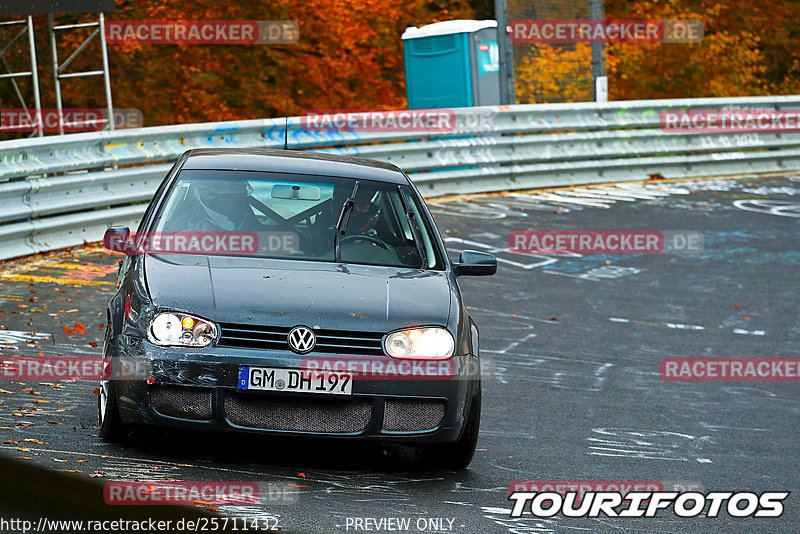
571,344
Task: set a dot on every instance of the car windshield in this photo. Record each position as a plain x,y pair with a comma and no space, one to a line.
302,217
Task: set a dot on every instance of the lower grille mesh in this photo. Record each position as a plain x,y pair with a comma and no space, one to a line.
413,414
300,415
183,402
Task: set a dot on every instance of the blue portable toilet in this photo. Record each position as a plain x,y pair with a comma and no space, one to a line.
455,63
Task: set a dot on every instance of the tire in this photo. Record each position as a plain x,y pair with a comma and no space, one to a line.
458,455
112,429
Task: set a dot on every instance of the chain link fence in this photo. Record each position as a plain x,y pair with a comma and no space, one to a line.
552,72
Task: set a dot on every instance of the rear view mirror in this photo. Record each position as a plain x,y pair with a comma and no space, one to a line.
117,239
474,263
295,192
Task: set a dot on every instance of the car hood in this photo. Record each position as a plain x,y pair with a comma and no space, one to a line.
288,292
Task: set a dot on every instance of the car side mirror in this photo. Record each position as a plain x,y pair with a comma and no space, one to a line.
117,239
474,263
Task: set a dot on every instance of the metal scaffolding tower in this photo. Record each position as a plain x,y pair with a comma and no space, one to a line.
59,70
26,29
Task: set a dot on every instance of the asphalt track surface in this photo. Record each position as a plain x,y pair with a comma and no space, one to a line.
572,391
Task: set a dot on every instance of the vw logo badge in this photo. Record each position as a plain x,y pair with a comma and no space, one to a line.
301,339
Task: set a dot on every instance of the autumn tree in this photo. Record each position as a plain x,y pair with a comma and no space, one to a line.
349,55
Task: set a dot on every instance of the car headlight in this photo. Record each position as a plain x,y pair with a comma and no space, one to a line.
180,329
423,343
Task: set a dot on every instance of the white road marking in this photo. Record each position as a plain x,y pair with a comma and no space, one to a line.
563,199
14,336
606,272
749,332
784,208
684,326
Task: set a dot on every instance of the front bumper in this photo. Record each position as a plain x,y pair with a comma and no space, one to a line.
198,389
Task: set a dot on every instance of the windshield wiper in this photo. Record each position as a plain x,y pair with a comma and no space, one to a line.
411,217
344,217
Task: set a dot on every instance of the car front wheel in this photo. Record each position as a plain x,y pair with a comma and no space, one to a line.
458,455
112,429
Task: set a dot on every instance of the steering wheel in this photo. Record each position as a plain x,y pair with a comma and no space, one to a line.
374,240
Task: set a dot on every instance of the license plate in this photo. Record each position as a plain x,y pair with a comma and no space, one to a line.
295,380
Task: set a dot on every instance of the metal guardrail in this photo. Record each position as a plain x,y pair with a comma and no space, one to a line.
62,191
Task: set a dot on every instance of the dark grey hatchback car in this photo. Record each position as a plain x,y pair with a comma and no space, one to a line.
292,293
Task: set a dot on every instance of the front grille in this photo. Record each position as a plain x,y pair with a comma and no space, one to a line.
275,337
183,402
408,415
300,415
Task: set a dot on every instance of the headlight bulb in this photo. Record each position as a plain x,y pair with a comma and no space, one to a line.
166,328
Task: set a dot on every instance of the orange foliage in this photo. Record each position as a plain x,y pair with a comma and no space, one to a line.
556,74
727,62
349,55
749,48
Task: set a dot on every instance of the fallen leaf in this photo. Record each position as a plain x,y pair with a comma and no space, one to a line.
79,328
